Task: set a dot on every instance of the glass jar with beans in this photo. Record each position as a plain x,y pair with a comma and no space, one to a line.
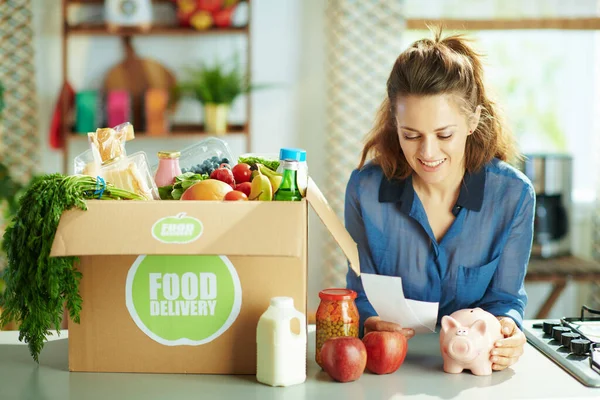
337,315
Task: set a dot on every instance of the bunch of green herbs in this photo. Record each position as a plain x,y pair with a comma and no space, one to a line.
37,285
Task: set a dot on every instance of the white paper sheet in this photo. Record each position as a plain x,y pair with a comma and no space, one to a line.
386,295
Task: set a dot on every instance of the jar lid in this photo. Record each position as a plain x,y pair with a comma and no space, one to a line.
169,154
337,294
288,153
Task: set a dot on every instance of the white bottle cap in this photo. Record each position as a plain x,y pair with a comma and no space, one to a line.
282,302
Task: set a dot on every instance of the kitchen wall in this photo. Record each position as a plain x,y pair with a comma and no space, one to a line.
288,48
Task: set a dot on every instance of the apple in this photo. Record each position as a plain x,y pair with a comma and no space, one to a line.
223,174
244,187
223,17
242,172
201,20
210,5
185,10
235,195
344,358
386,351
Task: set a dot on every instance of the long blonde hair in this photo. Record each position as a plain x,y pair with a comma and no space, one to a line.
431,67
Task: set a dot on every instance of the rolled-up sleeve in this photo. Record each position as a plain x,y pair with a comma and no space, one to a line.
356,228
506,294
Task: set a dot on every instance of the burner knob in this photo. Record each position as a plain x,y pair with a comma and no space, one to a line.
566,339
580,346
547,327
558,331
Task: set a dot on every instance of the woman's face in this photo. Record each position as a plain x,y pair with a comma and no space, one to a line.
433,133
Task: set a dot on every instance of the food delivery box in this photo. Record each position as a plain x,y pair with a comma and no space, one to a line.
179,286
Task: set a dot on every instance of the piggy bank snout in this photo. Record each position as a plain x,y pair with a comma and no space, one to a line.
460,348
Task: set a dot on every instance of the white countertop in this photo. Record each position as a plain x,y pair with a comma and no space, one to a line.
420,377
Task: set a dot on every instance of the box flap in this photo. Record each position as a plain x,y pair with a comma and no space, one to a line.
112,227
333,224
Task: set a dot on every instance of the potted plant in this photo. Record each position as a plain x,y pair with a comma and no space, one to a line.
215,87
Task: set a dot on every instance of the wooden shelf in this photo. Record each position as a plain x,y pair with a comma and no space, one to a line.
165,30
508,24
177,132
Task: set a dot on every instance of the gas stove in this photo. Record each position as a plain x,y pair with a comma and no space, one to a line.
572,343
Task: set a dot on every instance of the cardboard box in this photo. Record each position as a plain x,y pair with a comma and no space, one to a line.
179,286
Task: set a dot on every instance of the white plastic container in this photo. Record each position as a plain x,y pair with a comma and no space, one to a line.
281,353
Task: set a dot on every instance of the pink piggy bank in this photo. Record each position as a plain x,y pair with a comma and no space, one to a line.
466,339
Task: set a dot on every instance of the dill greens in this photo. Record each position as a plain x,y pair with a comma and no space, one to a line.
39,286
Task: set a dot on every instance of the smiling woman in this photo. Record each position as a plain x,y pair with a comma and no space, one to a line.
433,199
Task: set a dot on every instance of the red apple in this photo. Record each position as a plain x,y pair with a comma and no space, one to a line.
386,351
244,187
222,17
210,5
344,358
223,174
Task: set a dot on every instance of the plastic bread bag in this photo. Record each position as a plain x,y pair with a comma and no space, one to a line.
131,173
84,164
108,144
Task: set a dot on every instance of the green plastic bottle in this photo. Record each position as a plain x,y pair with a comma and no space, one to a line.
288,190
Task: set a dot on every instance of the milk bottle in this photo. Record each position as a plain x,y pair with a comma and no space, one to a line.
281,353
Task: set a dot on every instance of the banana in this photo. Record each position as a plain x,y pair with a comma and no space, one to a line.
273,176
261,188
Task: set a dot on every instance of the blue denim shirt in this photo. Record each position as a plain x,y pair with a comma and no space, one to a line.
482,259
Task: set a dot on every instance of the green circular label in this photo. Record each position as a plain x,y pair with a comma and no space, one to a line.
179,229
183,299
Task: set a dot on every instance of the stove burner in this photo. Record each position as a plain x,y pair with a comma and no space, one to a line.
564,343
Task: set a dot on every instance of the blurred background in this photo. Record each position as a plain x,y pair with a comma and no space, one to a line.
318,70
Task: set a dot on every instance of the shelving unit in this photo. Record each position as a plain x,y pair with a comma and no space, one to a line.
177,131
163,30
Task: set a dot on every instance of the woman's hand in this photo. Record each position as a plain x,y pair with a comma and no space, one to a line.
376,324
507,351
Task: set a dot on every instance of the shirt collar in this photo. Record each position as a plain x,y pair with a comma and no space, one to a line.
469,197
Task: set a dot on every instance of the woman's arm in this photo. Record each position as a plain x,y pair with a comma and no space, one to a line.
506,294
356,228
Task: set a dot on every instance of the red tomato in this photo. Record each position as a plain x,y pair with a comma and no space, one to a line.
241,173
235,195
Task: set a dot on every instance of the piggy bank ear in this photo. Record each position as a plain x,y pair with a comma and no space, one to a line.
448,323
479,326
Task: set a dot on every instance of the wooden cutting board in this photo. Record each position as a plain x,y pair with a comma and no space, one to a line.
136,75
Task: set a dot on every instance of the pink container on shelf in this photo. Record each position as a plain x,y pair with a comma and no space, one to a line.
118,107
